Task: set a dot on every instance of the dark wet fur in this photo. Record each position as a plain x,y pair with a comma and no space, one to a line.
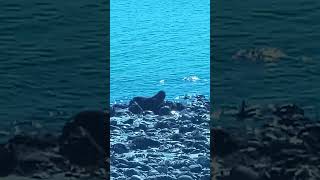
152,103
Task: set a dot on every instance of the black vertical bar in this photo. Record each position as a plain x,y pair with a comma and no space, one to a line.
107,125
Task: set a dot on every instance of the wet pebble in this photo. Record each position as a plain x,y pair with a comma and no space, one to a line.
135,177
144,143
120,148
131,172
195,168
185,177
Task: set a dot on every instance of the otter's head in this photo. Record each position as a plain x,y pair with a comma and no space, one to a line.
161,95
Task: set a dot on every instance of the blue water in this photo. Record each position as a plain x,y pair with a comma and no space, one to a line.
52,60
290,25
159,45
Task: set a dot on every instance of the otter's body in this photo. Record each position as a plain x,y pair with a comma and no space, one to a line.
152,103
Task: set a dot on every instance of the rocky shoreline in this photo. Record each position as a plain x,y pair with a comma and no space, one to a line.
77,153
171,141
284,146
168,142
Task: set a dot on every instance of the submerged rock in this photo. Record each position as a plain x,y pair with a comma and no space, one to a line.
260,54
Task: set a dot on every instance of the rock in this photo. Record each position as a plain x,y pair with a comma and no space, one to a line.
204,161
165,110
113,123
205,177
135,108
41,142
226,144
161,125
144,143
112,112
185,177
176,106
242,172
131,172
143,127
83,140
186,128
288,111
120,148
245,112
264,54
185,117
31,162
179,107
311,136
162,169
129,121
8,160
135,177
197,119
144,167
42,175
195,168
176,137
162,177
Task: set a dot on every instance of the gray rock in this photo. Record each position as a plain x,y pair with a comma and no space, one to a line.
204,161
144,143
135,177
135,108
120,148
131,172
226,143
205,177
165,110
161,125
129,121
185,177
195,168
176,137
144,167
164,177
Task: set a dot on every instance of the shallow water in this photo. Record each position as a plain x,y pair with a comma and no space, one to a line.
291,26
159,45
53,60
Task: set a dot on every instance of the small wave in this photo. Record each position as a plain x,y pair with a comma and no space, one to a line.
161,82
191,78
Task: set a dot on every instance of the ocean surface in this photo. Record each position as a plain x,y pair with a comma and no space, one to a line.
52,62
159,45
290,25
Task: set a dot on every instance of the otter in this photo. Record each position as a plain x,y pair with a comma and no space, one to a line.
89,131
152,103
